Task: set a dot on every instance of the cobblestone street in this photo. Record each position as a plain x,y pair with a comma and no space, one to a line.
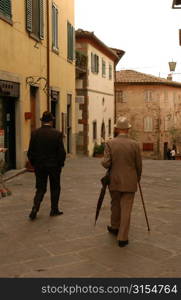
70,245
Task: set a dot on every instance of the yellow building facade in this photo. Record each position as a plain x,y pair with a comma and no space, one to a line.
37,72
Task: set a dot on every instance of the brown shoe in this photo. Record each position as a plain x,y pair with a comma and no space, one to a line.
112,230
123,243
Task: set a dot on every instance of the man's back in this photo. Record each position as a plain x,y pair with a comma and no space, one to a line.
126,163
46,147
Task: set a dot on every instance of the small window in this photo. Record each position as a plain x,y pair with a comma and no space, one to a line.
94,130
54,27
109,127
165,96
148,124
94,63
70,42
103,68
110,71
148,95
35,18
147,146
120,97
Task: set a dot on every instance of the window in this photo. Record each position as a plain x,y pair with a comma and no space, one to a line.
5,9
120,97
110,71
109,127
94,130
167,122
94,63
103,68
148,95
147,146
35,18
165,96
70,42
148,124
54,27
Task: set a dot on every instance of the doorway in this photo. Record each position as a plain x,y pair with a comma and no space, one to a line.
165,150
8,131
69,122
33,97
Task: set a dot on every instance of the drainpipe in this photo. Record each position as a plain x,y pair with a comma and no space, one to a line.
115,111
48,55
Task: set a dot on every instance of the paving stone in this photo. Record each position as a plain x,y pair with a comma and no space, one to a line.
71,246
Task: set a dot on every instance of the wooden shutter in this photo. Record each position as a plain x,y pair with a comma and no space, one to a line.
29,15
68,40
5,8
92,62
41,19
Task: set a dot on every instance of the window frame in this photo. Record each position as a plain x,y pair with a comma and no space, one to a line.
55,32
35,19
94,130
7,17
148,124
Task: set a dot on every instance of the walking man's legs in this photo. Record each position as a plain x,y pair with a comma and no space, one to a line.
55,188
41,175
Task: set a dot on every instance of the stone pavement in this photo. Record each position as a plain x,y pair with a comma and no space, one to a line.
70,245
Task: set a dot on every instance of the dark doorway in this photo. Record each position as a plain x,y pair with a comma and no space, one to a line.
69,122
165,149
7,127
53,111
33,96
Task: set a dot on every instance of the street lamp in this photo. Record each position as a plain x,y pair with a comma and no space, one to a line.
172,65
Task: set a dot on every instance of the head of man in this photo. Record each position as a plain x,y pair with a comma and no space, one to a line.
122,126
47,118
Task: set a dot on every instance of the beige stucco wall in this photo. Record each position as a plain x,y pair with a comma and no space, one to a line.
136,109
21,57
99,87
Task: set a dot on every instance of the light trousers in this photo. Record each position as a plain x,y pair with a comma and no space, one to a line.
121,207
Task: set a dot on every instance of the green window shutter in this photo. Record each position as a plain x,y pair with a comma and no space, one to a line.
29,15
5,8
70,41
41,19
92,62
54,26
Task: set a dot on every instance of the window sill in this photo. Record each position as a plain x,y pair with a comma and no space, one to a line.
35,37
6,19
70,60
55,50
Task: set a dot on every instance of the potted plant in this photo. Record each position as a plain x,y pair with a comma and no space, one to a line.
98,150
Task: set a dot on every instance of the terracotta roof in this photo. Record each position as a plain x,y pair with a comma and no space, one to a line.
134,77
117,53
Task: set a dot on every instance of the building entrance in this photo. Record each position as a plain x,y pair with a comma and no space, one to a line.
7,130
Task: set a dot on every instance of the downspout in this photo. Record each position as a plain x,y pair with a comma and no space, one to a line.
115,111
48,55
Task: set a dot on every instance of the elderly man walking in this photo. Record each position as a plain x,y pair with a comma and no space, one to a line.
46,153
122,157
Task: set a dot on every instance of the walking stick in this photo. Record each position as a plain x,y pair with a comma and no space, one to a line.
144,206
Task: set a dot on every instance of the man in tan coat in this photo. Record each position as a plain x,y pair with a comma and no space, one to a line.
123,157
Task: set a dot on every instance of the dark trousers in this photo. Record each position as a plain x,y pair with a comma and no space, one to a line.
42,174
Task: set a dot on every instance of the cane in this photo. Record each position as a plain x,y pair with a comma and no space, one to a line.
144,206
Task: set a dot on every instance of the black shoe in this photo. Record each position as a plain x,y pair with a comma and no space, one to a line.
112,230
33,214
123,243
55,212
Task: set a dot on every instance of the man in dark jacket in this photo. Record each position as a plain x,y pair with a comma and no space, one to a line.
46,153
